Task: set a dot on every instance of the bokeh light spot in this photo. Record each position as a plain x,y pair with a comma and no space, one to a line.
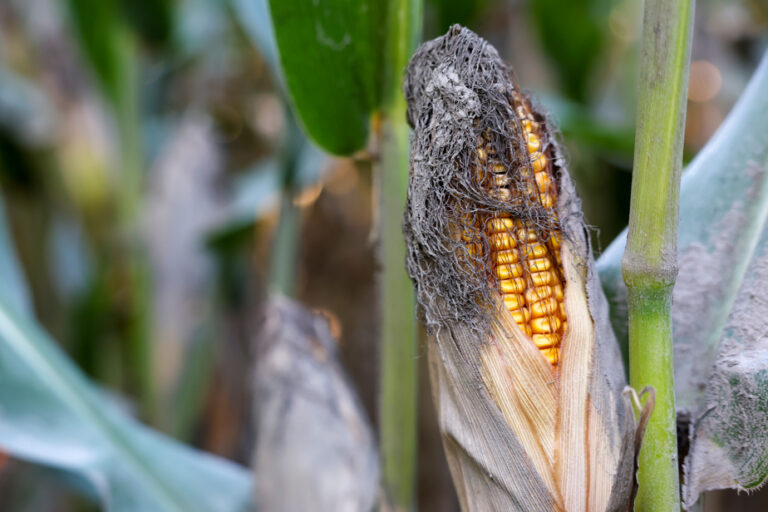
705,81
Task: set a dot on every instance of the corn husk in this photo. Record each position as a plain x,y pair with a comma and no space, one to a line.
519,433
314,447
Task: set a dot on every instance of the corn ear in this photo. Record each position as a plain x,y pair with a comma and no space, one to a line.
522,430
314,447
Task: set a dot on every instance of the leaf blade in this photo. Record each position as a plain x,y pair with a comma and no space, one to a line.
328,58
50,414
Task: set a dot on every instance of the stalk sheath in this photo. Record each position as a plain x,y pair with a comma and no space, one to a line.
397,304
649,266
397,408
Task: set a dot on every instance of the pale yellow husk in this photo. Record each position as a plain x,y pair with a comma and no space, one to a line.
549,410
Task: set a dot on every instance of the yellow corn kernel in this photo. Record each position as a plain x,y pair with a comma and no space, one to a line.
546,324
552,355
536,250
513,301
530,125
501,180
499,225
516,285
544,308
473,249
526,235
547,200
538,162
506,257
534,143
559,294
539,264
540,293
521,316
501,241
542,278
543,181
507,271
545,340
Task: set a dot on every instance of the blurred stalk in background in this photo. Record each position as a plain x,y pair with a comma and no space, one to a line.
111,49
397,413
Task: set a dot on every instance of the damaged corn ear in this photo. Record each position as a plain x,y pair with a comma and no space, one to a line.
526,371
526,267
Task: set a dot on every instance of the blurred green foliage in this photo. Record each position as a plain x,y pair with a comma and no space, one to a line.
106,42
573,35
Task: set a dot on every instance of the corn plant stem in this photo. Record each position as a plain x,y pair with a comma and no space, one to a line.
397,304
283,265
125,98
398,372
649,266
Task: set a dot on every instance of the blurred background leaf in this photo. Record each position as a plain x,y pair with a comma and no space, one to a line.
52,416
106,43
330,59
14,291
573,36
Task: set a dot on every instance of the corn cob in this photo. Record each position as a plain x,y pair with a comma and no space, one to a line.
527,269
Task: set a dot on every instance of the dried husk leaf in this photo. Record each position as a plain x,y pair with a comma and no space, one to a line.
519,433
729,436
314,446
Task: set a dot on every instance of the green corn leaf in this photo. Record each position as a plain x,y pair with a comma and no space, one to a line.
152,19
573,39
721,362
105,42
51,415
329,54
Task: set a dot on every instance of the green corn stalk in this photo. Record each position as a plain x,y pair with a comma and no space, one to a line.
649,265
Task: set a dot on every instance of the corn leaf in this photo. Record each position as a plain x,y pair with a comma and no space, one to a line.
329,54
105,44
14,291
314,448
51,415
722,249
